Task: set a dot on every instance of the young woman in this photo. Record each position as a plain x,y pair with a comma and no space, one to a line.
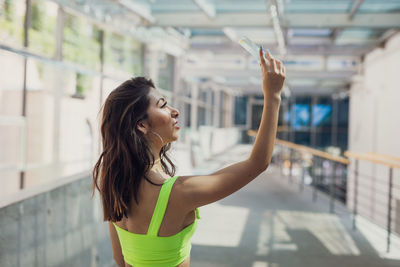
153,214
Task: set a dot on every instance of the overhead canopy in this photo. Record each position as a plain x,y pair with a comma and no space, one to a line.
321,42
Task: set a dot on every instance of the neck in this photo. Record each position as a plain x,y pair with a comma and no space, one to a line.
156,144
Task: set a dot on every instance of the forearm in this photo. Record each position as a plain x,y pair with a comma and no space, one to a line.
261,153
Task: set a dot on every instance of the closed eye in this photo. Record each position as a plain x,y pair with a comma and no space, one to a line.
164,104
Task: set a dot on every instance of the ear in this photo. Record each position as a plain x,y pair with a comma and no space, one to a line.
142,126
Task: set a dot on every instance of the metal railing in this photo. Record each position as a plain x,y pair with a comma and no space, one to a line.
385,161
328,174
320,170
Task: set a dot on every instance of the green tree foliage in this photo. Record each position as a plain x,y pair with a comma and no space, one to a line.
81,42
9,10
42,30
11,26
37,15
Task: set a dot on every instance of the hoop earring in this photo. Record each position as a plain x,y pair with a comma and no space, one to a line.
162,141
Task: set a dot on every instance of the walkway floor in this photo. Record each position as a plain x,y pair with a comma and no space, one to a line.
270,223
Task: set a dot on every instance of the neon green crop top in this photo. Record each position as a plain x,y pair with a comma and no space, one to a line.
142,250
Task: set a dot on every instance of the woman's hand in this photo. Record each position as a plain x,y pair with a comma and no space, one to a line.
273,74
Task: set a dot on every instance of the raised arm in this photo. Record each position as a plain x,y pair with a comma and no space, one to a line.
197,191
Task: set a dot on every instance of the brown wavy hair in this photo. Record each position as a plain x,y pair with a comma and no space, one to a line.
126,156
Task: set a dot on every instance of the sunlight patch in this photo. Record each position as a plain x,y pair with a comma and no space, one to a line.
326,227
220,225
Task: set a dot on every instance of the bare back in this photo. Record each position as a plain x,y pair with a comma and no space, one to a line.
176,217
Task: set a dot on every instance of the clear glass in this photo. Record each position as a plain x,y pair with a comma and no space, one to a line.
122,55
250,47
12,17
42,30
81,42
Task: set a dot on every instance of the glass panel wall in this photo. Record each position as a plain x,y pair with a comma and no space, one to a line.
42,27
12,17
58,136
78,121
122,55
165,72
81,42
41,114
12,123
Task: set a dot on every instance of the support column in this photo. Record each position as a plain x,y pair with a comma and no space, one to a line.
209,112
193,107
217,111
228,108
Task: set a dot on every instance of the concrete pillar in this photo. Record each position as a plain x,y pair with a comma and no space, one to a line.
231,111
193,107
217,111
209,112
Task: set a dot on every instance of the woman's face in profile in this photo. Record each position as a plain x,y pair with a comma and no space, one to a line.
162,117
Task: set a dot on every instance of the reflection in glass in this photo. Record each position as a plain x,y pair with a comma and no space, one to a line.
42,27
122,55
165,72
12,16
81,43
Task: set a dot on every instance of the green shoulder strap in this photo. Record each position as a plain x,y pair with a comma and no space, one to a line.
161,206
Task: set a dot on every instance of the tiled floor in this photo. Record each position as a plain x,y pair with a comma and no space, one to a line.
270,223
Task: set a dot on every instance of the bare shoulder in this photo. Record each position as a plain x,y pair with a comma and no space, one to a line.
179,194
198,190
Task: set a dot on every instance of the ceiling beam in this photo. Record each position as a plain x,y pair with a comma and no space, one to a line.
274,12
335,33
251,89
139,9
261,19
355,8
343,50
245,74
207,7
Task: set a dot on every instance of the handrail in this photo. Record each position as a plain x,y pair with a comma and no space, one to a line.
370,158
313,151
387,157
306,149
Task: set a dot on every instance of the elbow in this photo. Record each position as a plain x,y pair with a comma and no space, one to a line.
264,167
260,167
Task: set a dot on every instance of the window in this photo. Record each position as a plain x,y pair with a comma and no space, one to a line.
81,42
42,27
12,17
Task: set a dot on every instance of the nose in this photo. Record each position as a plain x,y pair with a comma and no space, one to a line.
175,112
